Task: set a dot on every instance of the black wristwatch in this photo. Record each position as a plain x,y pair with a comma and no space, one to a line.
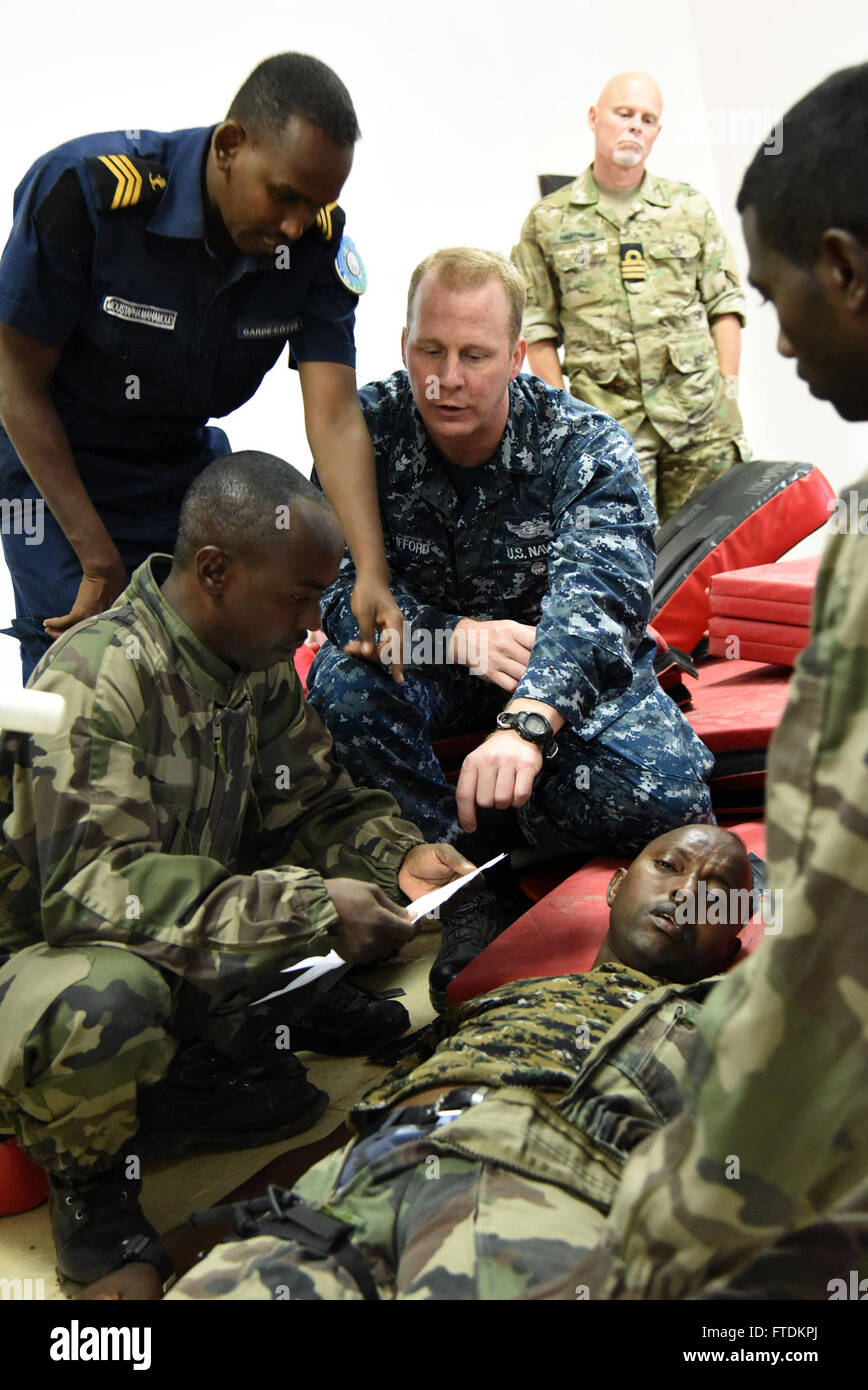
533,727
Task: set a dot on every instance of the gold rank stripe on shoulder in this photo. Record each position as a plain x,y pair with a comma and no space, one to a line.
324,220
129,180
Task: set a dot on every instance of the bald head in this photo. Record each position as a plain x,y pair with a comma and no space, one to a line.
625,123
637,87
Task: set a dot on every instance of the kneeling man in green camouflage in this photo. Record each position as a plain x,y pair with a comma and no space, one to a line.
164,857
487,1161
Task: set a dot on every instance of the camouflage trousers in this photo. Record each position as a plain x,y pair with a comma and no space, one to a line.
431,1223
672,476
641,776
441,1226
82,1028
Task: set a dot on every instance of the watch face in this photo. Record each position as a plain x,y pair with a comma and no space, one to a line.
536,725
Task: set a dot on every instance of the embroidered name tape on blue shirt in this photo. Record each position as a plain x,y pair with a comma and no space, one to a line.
268,330
150,314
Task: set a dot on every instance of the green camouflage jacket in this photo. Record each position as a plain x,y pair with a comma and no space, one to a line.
773,1141
633,304
629,1083
187,811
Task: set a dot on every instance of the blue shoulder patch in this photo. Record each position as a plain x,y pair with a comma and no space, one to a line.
350,267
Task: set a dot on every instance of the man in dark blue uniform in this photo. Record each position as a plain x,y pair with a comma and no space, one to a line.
520,538
149,283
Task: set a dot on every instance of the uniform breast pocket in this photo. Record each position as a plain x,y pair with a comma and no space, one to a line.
421,564
580,267
173,806
136,335
520,567
675,269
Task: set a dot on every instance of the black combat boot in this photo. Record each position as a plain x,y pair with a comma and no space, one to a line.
468,925
98,1225
206,1100
349,1020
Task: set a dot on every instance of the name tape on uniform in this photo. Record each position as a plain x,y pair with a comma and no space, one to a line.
268,330
150,314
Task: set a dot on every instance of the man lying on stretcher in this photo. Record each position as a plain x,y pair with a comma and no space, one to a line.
488,1158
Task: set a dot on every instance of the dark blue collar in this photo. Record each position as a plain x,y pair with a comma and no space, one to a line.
181,210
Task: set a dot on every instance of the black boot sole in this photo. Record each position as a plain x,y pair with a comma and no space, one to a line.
173,1144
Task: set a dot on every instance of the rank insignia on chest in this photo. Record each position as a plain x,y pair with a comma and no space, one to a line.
632,261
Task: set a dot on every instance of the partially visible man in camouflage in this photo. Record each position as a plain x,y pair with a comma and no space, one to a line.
763,1181
633,275
520,540
484,1162
165,855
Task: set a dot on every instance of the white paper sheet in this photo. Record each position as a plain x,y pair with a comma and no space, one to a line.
305,971
430,901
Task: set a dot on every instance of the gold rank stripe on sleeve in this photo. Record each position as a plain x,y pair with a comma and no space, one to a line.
324,220
129,180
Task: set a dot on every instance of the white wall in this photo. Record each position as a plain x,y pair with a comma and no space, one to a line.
461,104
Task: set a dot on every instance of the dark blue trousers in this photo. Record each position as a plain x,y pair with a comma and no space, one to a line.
642,775
138,499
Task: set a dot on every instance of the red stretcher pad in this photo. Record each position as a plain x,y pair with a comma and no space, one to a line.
771,530
737,705
767,607
750,630
777,643
767,652
763,610
562,934
786,581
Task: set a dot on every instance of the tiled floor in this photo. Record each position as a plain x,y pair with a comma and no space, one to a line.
172,1190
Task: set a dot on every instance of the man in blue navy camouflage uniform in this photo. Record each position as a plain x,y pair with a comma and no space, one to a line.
149,283
520,539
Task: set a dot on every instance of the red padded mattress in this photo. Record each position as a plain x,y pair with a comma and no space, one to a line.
786,581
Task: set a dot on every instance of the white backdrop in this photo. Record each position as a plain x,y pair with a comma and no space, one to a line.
461,104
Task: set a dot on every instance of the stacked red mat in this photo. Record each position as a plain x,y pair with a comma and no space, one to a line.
762,613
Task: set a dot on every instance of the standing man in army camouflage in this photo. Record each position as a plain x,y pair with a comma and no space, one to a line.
760,1189
633,275
166,854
